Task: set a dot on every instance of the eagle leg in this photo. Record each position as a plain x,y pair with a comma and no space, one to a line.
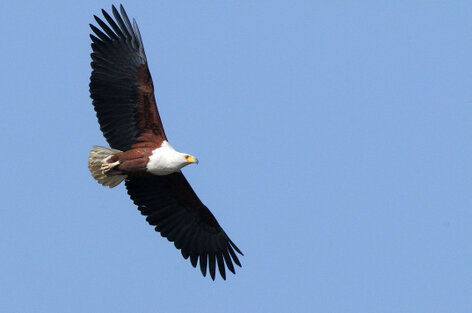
106,167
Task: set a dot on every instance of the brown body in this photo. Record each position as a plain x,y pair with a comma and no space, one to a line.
134,161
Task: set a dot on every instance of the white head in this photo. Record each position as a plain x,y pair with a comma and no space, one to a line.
166,160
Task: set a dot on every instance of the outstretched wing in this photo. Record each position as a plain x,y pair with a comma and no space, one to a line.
120,85
171,205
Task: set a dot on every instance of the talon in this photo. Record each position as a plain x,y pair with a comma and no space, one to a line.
106,167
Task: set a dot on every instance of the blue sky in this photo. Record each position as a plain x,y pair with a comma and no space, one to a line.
334,147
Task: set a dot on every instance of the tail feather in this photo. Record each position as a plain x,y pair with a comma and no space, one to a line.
99,156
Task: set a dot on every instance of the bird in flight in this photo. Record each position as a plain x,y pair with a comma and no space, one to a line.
123,97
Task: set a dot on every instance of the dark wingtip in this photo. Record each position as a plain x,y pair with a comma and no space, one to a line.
203,264
235,247
212,265
97,18
194,259
221,265
184,254
234,256
228,261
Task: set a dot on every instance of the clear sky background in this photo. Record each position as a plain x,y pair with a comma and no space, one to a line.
334,142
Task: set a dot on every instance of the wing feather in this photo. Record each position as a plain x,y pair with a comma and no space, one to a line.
116,28
221,265
172,206
107,29
203,263
233,255
122,25
228,261
120,85
211,264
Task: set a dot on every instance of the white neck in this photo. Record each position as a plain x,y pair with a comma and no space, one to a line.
165,160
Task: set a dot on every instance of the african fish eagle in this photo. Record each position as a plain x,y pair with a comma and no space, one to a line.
123,98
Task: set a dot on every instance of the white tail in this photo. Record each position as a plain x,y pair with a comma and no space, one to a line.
98,157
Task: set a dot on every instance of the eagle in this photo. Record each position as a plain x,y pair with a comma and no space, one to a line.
122,95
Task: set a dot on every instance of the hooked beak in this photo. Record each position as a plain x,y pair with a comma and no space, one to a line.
192,159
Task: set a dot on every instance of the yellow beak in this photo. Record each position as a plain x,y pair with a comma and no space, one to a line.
191,159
